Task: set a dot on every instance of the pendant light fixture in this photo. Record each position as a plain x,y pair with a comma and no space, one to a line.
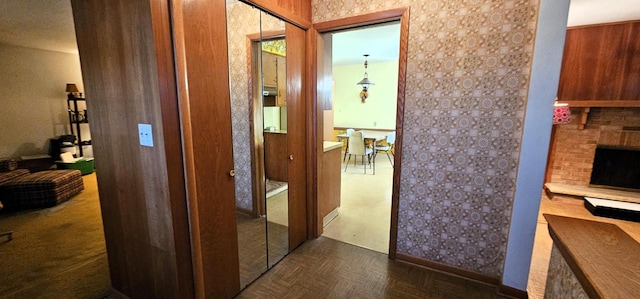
365,82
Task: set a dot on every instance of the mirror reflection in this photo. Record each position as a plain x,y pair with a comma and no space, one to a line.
257,72
244,21
274,75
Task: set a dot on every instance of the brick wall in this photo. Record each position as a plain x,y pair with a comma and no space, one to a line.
574,149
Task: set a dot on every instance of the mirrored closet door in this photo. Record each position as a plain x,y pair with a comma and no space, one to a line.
258,85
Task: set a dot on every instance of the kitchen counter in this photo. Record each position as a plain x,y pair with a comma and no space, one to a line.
276,131
329,179
329,145
591,259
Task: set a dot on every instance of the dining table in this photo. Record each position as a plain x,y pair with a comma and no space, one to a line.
370,137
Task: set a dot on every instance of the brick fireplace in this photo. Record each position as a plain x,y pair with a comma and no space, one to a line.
571,159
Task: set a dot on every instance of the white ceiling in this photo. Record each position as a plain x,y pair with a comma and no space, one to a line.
380,42
39,24
48,25
584,12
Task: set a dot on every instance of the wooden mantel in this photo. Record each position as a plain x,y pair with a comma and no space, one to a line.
602,103
588,104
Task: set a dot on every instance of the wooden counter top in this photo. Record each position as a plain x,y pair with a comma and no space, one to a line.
604,259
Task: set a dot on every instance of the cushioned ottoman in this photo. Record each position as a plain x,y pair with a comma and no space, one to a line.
11,175
41,189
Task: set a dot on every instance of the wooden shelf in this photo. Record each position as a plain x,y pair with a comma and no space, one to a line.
601,103
588,104
74,115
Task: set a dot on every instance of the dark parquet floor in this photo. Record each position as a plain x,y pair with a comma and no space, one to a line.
325,268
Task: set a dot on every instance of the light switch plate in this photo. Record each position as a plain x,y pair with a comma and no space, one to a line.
145,132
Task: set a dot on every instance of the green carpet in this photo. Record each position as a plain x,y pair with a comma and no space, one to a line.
57,252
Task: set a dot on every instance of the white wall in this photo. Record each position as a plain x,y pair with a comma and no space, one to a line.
33,98
379,111
545,75
272,117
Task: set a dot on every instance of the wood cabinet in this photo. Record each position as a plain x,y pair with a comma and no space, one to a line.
270,69
275,75
601,62
281,78
275,155
329,180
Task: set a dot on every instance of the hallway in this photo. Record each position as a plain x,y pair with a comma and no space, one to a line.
325,268
364,217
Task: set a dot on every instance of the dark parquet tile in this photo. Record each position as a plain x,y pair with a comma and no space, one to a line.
325,268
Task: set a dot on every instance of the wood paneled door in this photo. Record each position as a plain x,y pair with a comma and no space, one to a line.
296,135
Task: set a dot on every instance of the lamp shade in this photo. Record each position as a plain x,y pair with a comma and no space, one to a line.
561,114
365,82
72,88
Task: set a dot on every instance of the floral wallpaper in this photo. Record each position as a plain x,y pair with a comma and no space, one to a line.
244,20
278,47
467,77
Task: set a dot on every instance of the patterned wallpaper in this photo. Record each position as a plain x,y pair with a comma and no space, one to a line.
467,78
244,20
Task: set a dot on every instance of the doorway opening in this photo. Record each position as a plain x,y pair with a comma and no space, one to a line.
364,215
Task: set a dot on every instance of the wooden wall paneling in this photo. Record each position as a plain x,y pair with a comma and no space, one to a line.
173,145
127,81
587,60
297,12
601,63
315,70
321,58
256,129
326,99
205,71
631,84
187,143
296,135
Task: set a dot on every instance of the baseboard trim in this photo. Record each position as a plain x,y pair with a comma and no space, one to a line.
448,269
511,293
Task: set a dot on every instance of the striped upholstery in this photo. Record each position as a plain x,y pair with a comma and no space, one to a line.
41,189
8,176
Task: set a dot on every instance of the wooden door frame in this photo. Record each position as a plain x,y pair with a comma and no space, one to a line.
398,14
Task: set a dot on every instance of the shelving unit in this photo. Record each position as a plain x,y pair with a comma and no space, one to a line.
77,118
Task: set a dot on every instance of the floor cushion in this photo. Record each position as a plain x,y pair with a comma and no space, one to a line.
11,175
41,189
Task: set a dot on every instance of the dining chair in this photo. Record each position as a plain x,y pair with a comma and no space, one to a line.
349,131
356,147
388,148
